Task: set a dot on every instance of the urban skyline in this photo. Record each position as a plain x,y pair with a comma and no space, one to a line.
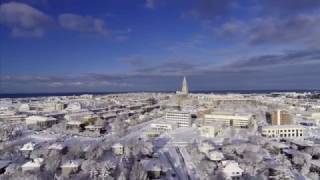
118,46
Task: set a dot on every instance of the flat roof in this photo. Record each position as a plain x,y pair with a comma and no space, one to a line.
283,126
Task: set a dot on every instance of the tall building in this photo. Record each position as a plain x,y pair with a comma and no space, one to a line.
184,88
280,117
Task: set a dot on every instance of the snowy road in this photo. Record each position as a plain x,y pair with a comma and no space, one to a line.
175,160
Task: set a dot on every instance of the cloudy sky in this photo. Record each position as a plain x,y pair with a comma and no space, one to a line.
149,45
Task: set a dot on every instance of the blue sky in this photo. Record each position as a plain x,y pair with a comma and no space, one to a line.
149,45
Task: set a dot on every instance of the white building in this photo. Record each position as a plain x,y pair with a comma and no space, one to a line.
182,119
70,167
208,131
205,147
316,118
40,121
158,128
215,155
78,115
118,149
58,106
24,108
75,106
33,165
58,147
283,131
162,126
28,147
228,119
231,170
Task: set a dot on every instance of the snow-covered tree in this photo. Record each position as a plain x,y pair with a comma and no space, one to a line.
137,172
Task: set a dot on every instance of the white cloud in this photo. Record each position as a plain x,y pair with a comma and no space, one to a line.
150,4
24,20
79,23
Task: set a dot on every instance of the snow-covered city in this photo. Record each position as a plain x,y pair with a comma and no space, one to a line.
159,89
178,135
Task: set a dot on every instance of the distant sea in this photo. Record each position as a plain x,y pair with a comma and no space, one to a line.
25,95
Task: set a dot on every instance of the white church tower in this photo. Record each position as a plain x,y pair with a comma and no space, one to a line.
184,89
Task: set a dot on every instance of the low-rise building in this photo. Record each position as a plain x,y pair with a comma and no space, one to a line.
70,167
118,149
75,125
40,121
95,129
283,131
162,126
158,128
79,115
33,165
208,131
215,155
205,147
315,166
58,147
28,147
231,170
228,119
152,167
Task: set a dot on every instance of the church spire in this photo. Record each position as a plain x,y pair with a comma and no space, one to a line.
184,89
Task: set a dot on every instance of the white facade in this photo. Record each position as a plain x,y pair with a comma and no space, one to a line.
283,131
76,106
231,170
205,147
70,167
162,126
58,106
24,108
215,156
118,149
31,120
40,121
32,165
182,119
78,116
208,131
315,115
28,147
158,128
228,119
56,146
